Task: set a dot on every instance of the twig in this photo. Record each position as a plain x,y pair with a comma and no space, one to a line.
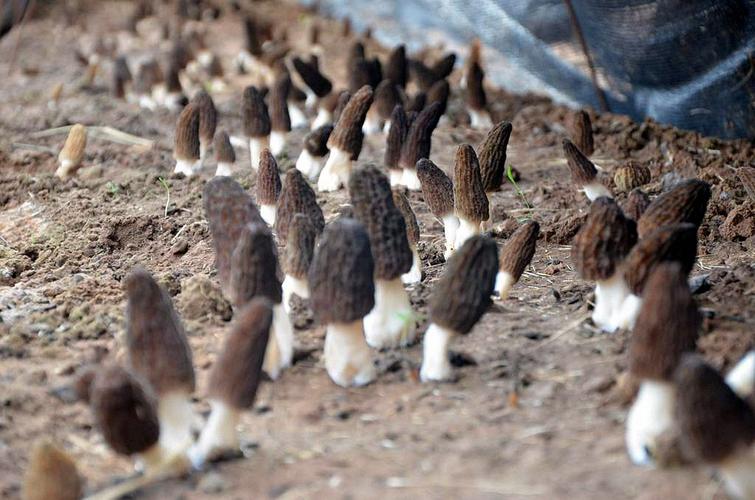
32,147
559,333
105,132
165,185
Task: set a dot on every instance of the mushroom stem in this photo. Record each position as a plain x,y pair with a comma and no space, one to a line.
740,378
415,273
311,98
629,311
309,165
450,226
436,364
466,230
651,415
323,118
348,359
503,283
280,348
151,459
256,145
336,172
298,118
386,127
176,417
480,119
203,147
595,190
738,475
267,212
172,101
187,167
610,296
410,179
277,142
391,321
219,434
224,169
292,286
372,124
396,177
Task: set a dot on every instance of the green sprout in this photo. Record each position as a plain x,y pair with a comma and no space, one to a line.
166,186
112,188
510,176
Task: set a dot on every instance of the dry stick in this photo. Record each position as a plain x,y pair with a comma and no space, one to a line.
105,132
593,75
32,147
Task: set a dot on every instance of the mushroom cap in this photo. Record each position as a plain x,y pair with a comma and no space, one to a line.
158,349
360,74
372,199
312,77
342,100
341,286
330,101
439,92
493,156
582,169
419,137
476,98
396,68
386,98
268,179
347,134
519,249
148,75
236,374
631,175
437,188
252,38
223,149
603,241
412,226
444,66
636,204
581,132
75,145
300,246
685,202
422,75
51,474
715,423
254,113
296,197
415,105
396,137
316,141
676,243
208,115
254,266
172,80
462,295
228,208
277,99
469,197
124,411
121,76
667,325
187,134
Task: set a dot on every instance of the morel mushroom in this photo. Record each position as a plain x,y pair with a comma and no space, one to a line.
438,191
516,255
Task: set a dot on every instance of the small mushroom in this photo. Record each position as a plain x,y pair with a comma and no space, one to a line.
296,197
172,96
636,204
396,68
438,191
685,202
280,119
51,474
630,176
342,292
312,157
208,121
345,142
418,144
224,153
477,103
412,235
159,352
516,255
583,173
492,160
122,79
256,123
459,300
317,85
72,154
439,92
300,246
234,379
379,115
470,203
186,150
397,131
581,132
666,328
268,186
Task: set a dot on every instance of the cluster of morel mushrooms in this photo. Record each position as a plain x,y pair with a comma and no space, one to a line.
355,270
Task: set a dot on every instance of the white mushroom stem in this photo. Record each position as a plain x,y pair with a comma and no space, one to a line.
311,99
595,190
410,180
280,348
239,142
391,322
223,169
336,171
267,212
176,417
323,118
151,459
415,273
309,165
504,280
172,101
146,101
436,364
396,177
348,358
277,142
372,124
66,168
298,118
450,227
387,127
204,146
187,167
610,296
651,415
741,377
219,434
159,94
629,311
480,119
256,145
292,285
466,230
738,475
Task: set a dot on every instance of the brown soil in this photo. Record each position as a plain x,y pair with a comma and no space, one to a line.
539,410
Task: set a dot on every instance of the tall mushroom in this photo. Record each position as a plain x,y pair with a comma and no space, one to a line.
418,144
394,141
280,119
583,173
516,255
492,158
186,150
470,201
256,123
268,186
684,203
296,197
412,235
300,246
438,191
208,120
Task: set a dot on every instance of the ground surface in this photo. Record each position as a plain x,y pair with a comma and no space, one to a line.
540,415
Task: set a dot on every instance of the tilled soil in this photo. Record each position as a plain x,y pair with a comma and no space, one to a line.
539,406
